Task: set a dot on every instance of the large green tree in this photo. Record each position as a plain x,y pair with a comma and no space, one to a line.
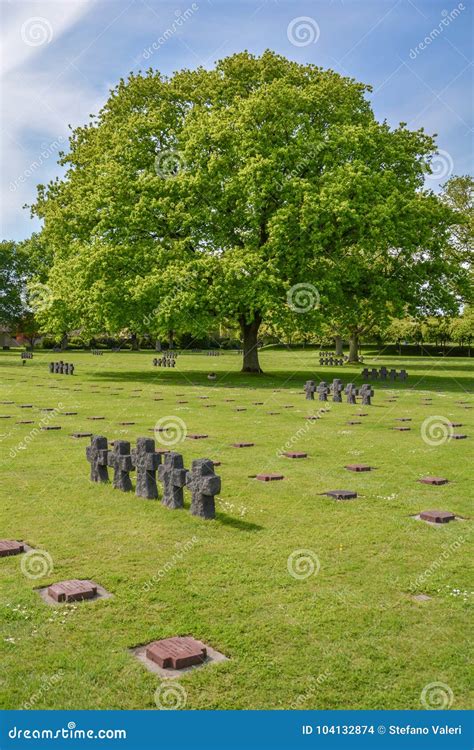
260,191
12,280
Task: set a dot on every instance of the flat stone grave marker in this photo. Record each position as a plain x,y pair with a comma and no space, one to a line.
125,423
209,406
295,454
269,477
196,437
272,413
354,421
10,547
70,413
242,445
402,429
341,494
72,590
455,424
312,417
403,419
433,480
170,657
26,406
7,402
240,408
48,427
95,419
421,597
437,516
25,421
457,436
81,434
362,414
358,467
5,416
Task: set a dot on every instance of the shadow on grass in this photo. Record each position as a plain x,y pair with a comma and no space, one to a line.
237,523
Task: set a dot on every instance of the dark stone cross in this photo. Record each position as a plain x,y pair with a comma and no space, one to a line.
323,390
366,391
351,392
403,375
337,390
392,375
146,463
374,373
203,484
310,387
173,475
96,454
120,460
383,373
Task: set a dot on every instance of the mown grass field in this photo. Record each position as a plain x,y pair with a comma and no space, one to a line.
349,636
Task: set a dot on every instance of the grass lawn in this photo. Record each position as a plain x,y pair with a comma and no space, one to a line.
349,636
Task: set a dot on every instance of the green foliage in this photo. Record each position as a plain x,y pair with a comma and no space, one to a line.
12,271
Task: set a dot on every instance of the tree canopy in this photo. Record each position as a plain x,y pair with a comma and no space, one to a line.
262,190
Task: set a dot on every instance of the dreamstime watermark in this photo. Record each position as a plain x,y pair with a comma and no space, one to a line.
440,167
448,18
420,580
300,433
437,696
35,431
170,430
303,563
303,297
36,563
36,31
169,162
301,165
436,431
48,683
170,696
184,548
179,21
47,150
302,31
316,682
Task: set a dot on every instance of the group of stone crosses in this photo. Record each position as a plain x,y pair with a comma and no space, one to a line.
213,353
366,392
167,360
27,355
201,480
325,358
97,352
61,368
383,373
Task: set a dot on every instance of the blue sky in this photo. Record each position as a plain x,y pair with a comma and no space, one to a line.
61,57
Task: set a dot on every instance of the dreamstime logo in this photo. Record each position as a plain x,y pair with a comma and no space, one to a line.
303,563
36,31
302,298
170,430
169,163
447,19
180,19
440,166
40,297
437,695
302,31
170,696
436,431
37,563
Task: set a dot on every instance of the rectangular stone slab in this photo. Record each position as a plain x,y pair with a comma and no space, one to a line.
358,467
72,591
9,547
269,477
295,454
433,480
437,516
177,652
341,494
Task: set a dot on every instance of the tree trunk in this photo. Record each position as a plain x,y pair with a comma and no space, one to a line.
354,347
134,340
170,339
250,339
338,344
64,341
158,345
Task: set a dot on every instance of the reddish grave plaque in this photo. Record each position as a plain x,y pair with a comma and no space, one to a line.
312,417
176,653
362,414
437,516
51,427
70,413
197,437
25,421
354,421
182,402
455,424
95,418
242,445
269,477
26,406
358,467
5,416
402,429
157,399
240,408
125,423
341,494
459,437
8,547
433,480
258,403
272,413
403,419
295,454
72,591
81,434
